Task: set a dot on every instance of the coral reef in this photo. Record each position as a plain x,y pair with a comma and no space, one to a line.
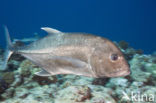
19,84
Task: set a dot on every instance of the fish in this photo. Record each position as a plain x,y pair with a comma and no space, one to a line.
81,54
26,40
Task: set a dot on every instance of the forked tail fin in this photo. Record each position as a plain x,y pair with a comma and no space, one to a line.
8,51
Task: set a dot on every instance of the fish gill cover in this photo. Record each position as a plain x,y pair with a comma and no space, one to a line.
132,21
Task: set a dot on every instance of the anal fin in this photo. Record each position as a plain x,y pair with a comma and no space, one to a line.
43,73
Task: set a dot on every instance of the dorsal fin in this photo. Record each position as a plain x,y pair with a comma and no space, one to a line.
50,30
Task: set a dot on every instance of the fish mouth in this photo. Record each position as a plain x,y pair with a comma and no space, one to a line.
120,73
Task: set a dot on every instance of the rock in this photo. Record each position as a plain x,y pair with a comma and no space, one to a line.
84,94
115,82
3,85
123,44
8,77
101,94
9,93
100,81
18,81
141,68
26,67
18,84
45,80
73,94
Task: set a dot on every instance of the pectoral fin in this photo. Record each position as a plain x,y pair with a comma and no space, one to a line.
69,61
62,65
69,65
43,73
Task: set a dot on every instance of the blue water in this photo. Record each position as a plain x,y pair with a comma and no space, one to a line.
131,20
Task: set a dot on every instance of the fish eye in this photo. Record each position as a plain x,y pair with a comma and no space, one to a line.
114,57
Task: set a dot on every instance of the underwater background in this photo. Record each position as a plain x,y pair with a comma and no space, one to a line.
130,20
131,24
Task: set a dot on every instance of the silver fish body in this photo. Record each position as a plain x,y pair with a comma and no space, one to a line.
75,53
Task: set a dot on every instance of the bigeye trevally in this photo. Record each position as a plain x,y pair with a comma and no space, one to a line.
72,53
